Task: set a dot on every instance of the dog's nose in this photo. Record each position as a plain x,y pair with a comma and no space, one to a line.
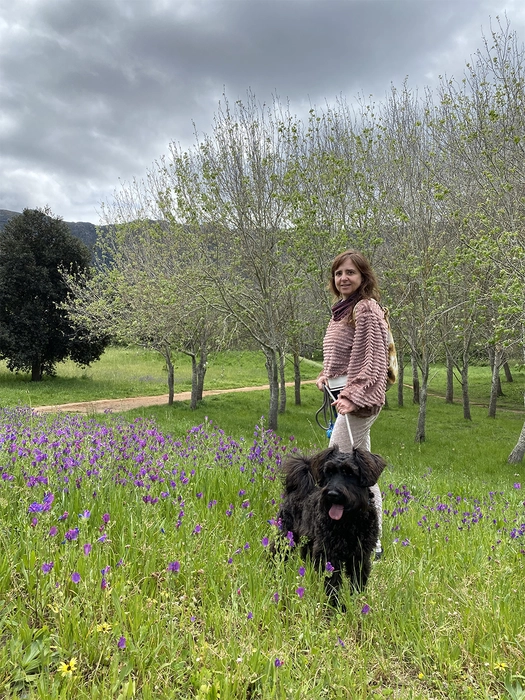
334,496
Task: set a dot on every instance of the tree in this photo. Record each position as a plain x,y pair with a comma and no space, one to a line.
35,331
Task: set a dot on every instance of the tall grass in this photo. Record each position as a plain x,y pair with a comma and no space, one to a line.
133,559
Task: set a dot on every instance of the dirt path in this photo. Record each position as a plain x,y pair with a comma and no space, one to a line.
116,405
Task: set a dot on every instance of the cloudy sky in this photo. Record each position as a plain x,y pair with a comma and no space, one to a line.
93,91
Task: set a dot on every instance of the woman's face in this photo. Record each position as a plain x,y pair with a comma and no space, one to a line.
347,278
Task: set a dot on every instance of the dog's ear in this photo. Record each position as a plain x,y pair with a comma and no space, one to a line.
370,466
298,475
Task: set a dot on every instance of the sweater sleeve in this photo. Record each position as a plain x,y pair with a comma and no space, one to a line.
367,368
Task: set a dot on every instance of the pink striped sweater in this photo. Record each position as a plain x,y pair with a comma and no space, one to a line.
360,352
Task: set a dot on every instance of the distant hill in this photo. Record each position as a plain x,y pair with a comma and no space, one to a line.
84,230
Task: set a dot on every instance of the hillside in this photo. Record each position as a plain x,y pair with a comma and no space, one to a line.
83,230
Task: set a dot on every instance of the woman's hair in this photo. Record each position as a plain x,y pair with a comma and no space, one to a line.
369,288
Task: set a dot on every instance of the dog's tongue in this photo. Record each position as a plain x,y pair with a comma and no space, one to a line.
336,512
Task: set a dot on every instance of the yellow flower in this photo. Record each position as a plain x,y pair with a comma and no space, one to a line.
104,627
420,675
67,669
500,666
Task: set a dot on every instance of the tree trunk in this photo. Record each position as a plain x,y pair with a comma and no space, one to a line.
415,378
497,355
465,390
422,417
282,380
400,375
519,450
198,371
449,396
273,382
171,377
36,371
493,351
508,373
297,376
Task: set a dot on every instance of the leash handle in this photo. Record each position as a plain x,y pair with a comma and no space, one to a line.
346,417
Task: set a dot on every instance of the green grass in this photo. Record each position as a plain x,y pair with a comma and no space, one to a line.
127,372
446,615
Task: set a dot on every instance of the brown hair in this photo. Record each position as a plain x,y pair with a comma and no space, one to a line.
369,288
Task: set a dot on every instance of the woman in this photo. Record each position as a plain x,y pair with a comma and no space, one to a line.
355,348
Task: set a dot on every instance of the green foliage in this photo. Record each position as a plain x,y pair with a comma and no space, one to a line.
35,332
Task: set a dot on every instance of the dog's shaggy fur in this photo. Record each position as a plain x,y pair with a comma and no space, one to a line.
329,509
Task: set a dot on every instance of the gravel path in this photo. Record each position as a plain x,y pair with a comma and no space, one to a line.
117,405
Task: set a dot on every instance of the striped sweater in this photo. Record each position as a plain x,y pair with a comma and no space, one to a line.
360,352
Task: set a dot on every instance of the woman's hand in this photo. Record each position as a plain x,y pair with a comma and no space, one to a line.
343,406
321,382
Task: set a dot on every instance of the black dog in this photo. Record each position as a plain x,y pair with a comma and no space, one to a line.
329,509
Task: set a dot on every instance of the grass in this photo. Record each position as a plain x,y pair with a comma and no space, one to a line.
127,372
157,582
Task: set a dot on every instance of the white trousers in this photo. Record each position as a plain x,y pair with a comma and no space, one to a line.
360,428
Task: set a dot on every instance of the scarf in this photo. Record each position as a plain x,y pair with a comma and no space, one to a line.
345,306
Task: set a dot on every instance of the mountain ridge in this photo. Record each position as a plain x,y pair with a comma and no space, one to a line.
84,230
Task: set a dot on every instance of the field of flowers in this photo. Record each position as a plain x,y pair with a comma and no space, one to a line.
136,565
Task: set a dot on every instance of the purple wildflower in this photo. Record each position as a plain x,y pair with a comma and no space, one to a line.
87,549
329,567
276,597
75,577
173,566
264,541
46,567
278,663
197,529
302,571
300,591
121,643
365,609
105,518
53,531
249,616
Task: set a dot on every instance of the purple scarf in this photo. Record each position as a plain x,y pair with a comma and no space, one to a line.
345,306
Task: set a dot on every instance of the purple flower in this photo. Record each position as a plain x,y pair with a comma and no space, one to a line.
75,577
84,514
87,549
72,534
173,566
300,591
302,571
340,642
517,486
365,609
53,531
276,597
278,663
102,538
406,542
197,529
103,584
46,567
121,643
264,541
329,567
64,515
105,518
249,616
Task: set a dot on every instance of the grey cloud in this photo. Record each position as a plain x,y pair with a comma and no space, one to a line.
92,91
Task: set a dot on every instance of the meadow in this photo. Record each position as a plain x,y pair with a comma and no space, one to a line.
134,555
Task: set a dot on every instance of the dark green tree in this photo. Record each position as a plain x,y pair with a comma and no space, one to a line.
35,331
